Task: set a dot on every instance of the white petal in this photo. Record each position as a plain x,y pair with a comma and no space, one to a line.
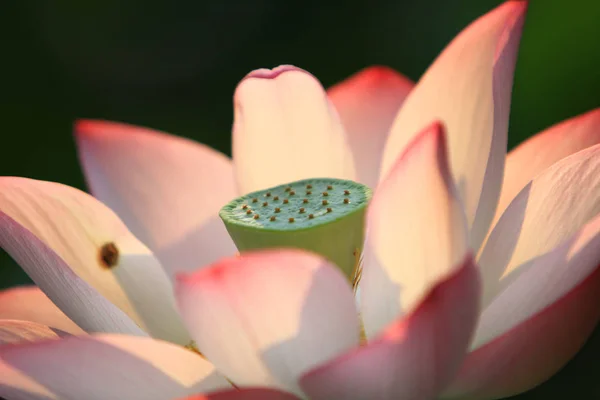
367,103
468,88
285,130
266,318
29,303
167,189
16,331
539,232
58,234
104,367
417,232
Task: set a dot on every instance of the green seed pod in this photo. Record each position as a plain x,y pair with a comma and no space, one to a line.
333,228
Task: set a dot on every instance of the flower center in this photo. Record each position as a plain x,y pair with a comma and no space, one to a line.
322,215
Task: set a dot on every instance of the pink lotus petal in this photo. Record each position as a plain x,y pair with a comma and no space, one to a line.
543,304
29,303
546,214
16,331
544,149
104,367
84,258
468,88
528,353
415,356
272,315
167,189
417,232
245,394
367,103
285,129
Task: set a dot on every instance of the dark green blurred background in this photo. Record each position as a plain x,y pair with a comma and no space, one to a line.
173,65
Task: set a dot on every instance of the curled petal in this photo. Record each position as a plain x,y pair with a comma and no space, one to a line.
417,232
285,130
468,88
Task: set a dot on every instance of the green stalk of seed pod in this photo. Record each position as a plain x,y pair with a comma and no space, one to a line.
322,215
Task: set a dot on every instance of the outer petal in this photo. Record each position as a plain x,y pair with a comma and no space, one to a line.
82,256
468,88
546,213
417,232
104,367
285,130
29,303
15,331
165,188
544,149
537,323
245,394
367,103
272,315
414,357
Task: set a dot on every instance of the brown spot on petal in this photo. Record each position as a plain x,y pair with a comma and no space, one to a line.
109,255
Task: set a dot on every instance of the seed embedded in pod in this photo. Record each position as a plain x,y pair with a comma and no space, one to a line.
331,234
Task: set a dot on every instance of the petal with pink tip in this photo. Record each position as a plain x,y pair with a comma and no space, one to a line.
415,356
246,394
104,367
84,258
167,189
552,208
468,88
285,129
367,103
538,323
417,232
16,331
29,303
271,315
544,149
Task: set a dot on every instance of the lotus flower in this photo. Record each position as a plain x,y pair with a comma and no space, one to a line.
479,275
